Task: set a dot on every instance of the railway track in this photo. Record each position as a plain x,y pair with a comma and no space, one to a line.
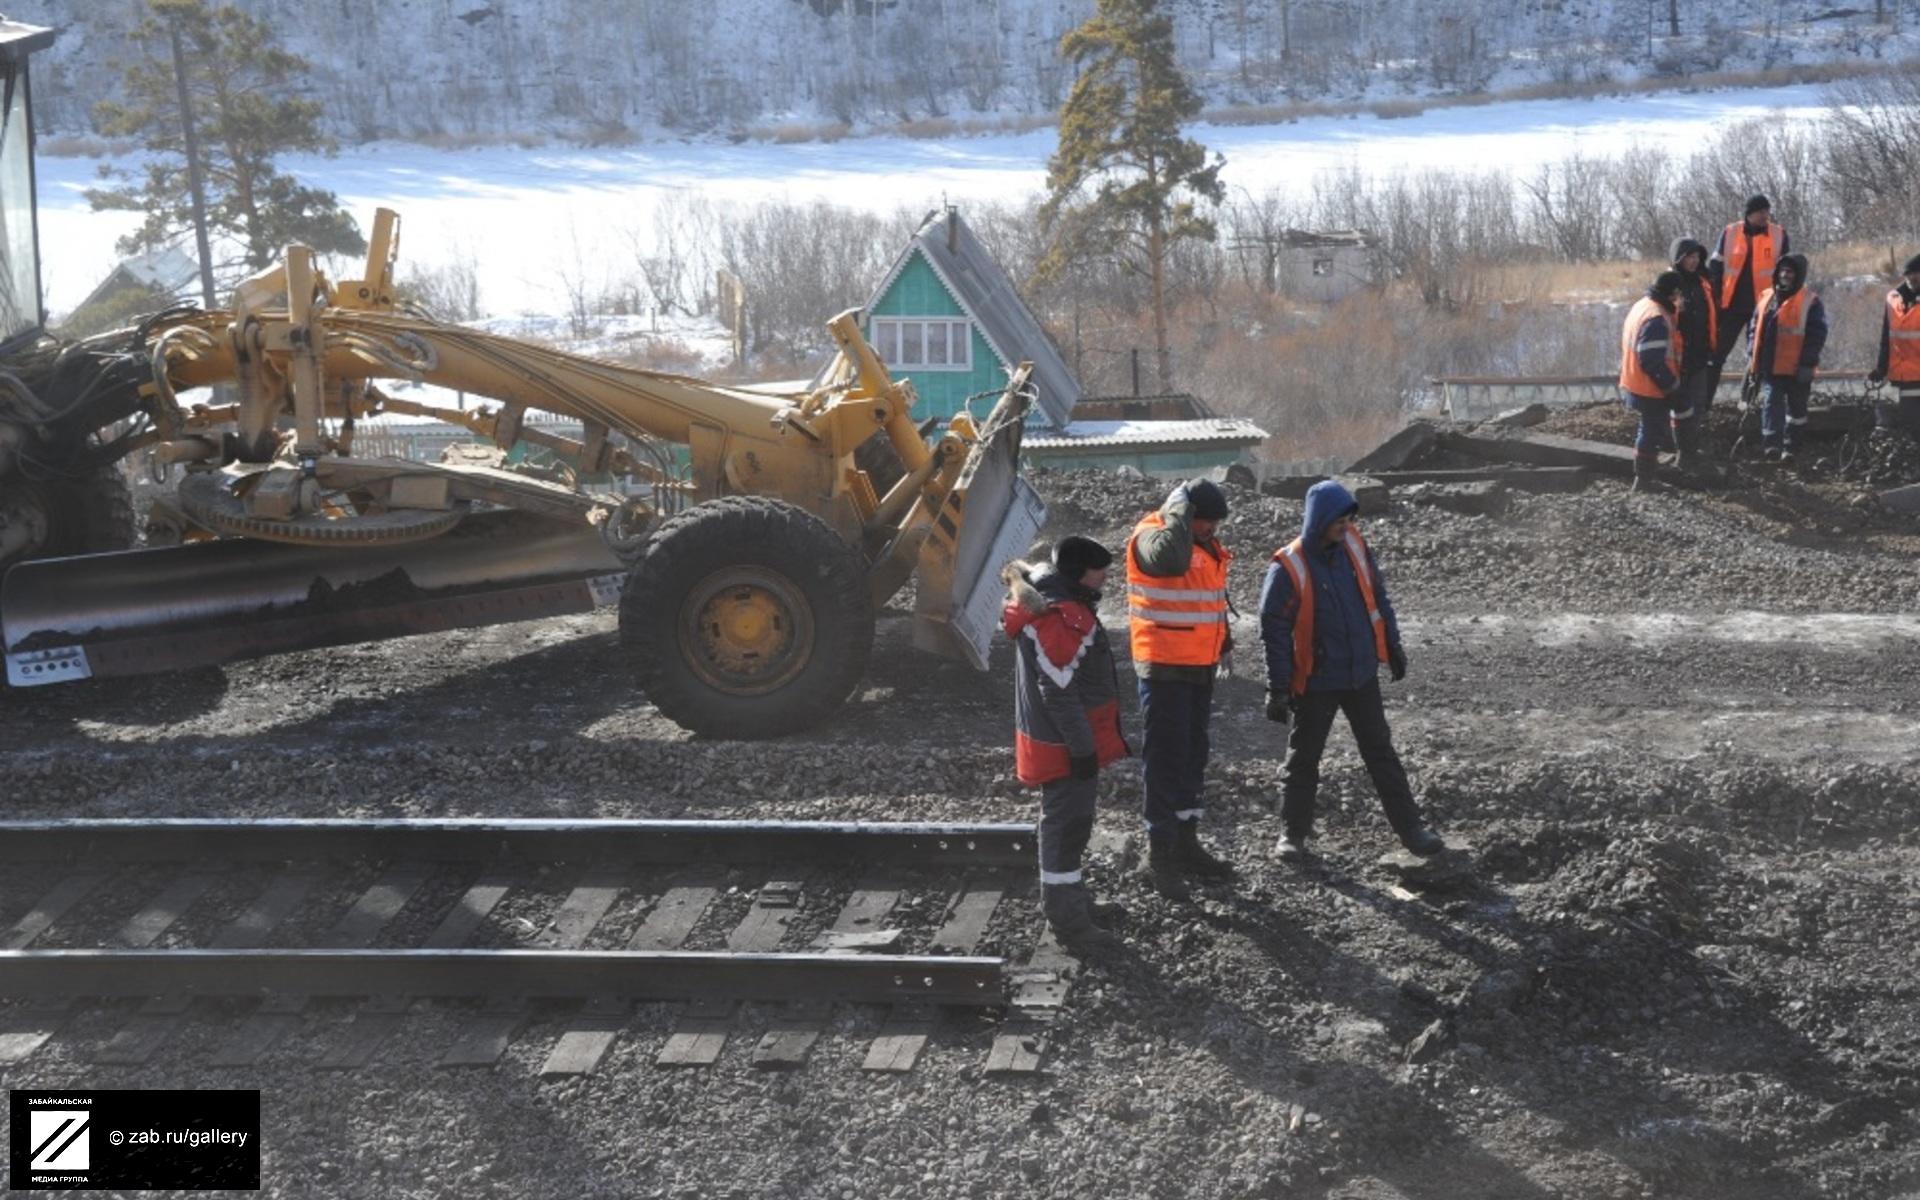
508,920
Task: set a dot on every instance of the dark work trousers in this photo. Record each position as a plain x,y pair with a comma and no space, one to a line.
1173,755
1785,413
1655,432
1313,715
1066,825
1733,327
1696,393
1903,412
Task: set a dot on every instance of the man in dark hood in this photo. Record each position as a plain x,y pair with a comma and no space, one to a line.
1784,339
1696,318
1328,628
1899,361
1066,707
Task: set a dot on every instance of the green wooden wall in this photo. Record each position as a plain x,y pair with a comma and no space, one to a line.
918,292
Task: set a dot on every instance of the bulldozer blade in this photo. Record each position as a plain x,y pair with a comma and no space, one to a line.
144,611
991,516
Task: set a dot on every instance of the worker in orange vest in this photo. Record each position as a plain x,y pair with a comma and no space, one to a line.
1177,612
1742,263
1899,360
1328,628
1784,340
1650,356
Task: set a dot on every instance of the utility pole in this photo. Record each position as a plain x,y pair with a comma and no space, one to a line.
198,184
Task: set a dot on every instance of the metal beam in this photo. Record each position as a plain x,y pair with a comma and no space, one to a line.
491,839
639,974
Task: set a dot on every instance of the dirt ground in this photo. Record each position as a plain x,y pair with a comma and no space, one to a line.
1679,732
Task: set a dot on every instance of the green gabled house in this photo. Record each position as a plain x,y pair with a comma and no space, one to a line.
947,317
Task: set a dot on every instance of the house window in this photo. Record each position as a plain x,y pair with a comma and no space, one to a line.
936,345
1323,266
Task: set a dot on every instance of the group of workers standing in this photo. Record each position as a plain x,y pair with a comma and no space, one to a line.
1327,628
1677,339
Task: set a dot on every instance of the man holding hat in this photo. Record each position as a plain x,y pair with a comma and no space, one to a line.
1650,357
1177,610
1066,706
1741,268
1900,351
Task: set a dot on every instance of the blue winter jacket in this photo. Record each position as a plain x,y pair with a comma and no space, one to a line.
1344,657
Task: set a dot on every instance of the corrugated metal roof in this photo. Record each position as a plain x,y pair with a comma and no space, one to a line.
1090,435
983,289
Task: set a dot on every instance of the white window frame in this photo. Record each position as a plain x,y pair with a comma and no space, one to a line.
886,331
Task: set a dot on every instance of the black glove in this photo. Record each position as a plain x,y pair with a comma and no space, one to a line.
1086,766
1876,376
1397,663
1279,708
1803,375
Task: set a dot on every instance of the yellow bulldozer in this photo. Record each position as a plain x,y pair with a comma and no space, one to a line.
756,535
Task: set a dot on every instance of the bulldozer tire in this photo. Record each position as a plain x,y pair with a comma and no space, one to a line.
89,514
747,618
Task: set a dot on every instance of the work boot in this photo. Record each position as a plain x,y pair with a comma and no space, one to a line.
1771,454
1162,867
1786,456
1292,848
1069,915
1194,857
1422,841
1644,470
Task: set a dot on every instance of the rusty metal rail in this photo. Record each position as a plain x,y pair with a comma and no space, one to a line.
651,843
621,974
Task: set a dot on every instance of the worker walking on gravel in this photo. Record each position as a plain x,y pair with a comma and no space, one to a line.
1650,375
1784,340
1177,610
1899,361
1742,263
1696,316
1328,628
1066,704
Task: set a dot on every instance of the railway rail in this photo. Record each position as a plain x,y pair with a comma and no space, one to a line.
606,914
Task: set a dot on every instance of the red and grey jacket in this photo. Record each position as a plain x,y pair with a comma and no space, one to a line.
1066,691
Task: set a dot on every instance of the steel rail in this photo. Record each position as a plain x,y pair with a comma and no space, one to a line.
635,974
488,839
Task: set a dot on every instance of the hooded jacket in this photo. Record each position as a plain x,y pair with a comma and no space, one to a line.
1761,327
1696,308
1066,690
1344,655
1906,297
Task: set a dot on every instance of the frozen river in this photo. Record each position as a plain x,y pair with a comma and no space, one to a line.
520,213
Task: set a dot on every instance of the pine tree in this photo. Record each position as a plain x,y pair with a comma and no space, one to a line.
1124,183
237,79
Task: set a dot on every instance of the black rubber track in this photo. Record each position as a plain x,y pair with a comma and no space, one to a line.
735,531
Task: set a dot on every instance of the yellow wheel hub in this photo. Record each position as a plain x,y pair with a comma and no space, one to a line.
746,630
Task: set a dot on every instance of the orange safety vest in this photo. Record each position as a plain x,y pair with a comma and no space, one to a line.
1293,557
1633,376
1765,250
1177,621
1789,330
1903,340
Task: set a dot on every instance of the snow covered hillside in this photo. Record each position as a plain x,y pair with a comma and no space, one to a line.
613,70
